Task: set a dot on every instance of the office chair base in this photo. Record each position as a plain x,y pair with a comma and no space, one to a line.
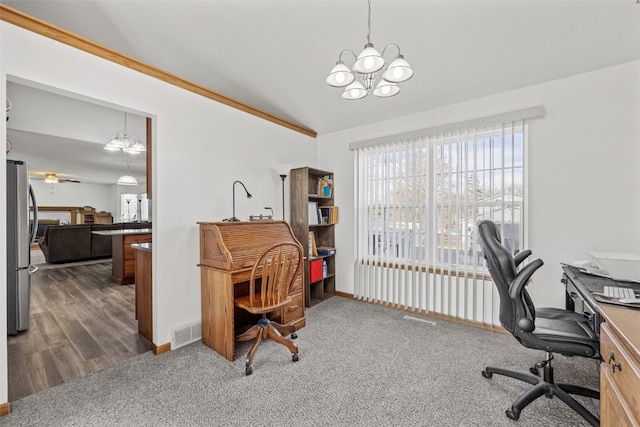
543,385
266,329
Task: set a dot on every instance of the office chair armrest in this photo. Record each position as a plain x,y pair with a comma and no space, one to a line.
523,310
521,256
523,277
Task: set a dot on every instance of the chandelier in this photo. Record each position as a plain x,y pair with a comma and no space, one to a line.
368,73
124,142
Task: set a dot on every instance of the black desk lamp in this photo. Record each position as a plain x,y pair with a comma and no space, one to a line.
233,218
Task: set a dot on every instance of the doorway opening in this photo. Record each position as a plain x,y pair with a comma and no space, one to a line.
81,321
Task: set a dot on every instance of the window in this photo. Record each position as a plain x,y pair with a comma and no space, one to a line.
144,207
424,196
128,207
418,202
477,176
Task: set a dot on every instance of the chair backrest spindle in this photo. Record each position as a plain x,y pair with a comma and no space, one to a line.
273,274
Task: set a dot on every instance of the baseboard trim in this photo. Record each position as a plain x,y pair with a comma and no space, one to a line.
5,408
430,314
163,348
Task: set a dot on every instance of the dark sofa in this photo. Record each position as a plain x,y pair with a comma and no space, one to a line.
42,225
69,243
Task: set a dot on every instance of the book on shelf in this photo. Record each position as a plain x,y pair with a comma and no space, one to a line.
313,213
326,250
329,214
313,249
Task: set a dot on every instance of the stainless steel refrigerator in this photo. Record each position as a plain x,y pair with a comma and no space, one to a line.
22,223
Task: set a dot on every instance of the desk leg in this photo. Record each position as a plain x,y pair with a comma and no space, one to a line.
218,330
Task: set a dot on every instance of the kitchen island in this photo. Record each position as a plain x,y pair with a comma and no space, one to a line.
123,266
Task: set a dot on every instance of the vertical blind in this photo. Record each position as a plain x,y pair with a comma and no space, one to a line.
417,202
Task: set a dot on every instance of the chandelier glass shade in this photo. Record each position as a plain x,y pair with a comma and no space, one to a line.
127,180
124,142
369,71
130,145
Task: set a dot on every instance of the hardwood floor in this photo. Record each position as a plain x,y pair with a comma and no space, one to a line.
80,322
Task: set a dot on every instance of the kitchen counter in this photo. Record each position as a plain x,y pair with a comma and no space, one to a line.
144,285
126,232
123,258
142,246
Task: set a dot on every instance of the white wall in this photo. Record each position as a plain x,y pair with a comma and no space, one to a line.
103,197
200,148
584,155
98,196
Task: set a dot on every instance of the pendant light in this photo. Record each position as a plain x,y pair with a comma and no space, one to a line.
127,179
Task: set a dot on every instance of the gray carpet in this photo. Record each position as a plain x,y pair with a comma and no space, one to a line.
360,365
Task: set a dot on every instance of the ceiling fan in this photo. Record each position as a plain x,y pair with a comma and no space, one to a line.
53,178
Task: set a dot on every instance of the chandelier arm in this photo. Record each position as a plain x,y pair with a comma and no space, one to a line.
391,45
346,51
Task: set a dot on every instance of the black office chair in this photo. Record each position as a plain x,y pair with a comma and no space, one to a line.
565,333
546,312
493,231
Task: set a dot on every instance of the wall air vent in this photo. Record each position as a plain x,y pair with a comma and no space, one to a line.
186,334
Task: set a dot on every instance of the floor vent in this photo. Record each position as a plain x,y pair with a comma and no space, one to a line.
186,334
419,319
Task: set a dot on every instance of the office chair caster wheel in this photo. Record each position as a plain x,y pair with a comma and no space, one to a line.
487,374
295,357
294,336
534,370
248,370
512,414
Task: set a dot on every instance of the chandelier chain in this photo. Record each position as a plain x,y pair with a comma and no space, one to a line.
369,25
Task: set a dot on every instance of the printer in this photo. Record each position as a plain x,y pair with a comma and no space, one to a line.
621,266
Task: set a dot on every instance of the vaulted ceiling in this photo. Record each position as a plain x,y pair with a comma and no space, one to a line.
275,55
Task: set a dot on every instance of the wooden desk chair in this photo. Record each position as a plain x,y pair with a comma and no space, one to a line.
271,277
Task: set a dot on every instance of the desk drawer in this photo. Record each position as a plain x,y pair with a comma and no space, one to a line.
622,371
575,301
294,310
